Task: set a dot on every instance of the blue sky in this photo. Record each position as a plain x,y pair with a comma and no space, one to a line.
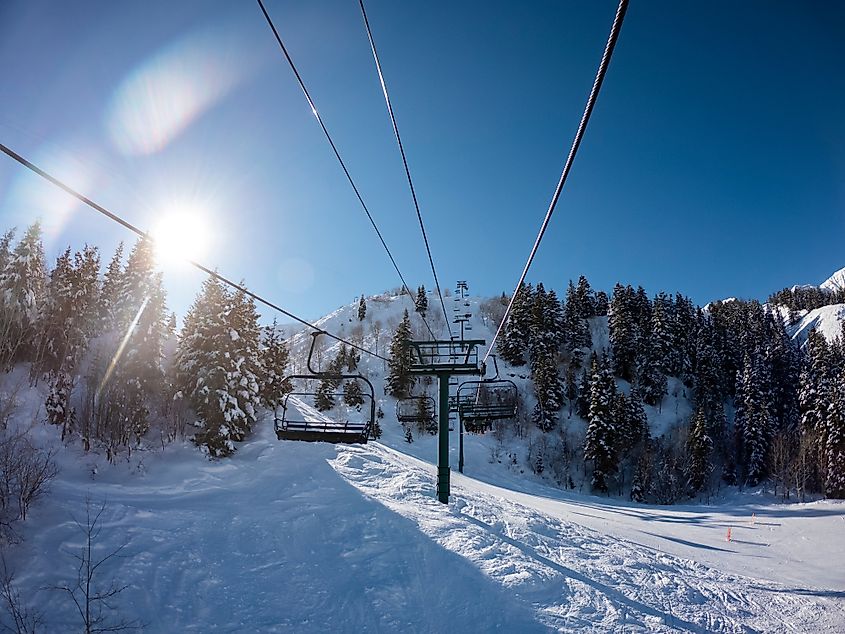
713,164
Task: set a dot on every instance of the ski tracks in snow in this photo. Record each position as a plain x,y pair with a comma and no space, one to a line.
575,578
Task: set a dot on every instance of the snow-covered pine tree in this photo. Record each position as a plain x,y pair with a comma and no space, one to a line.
663,329
421,301
699,447
22,285
362,308
585,299
141,318
242,390
576,331
650,378
601,438
834,448
55,319
6,247
637,431
602,304
399,379
758,429
582,401
513,341
112,284
352,395
548,393
623,331
274,361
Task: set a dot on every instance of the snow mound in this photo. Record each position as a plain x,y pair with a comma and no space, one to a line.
835,282
828,320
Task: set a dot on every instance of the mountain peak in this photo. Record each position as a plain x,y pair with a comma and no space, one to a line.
835,282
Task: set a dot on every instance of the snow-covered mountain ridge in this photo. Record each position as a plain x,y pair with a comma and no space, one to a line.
835,282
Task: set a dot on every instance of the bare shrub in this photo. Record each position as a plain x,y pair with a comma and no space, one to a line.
25,473
24,619
94,597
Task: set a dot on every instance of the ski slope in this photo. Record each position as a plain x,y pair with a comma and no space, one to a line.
310,537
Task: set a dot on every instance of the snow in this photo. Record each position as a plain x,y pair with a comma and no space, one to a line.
827,320
835,282
311,537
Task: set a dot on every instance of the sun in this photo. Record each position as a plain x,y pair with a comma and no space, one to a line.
180,235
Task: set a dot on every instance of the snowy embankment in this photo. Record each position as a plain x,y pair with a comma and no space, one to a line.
292,536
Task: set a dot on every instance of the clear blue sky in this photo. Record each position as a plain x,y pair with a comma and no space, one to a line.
714,163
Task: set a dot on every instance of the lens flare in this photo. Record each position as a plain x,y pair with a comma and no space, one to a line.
161,98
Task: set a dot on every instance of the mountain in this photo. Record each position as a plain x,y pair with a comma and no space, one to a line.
835,282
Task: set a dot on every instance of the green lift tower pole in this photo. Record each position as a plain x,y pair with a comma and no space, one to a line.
443,475
443,359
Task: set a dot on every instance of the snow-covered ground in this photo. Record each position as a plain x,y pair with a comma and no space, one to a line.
309,537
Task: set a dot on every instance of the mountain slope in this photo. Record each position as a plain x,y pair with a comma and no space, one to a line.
835,282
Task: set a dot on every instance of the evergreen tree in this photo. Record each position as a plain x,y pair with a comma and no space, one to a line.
548,392
22,286
570,387
834,448
602,304
273,386
399,379
421,301
352,394
362,308
112,284
585,299
582,402
650,378
758,424
601,438
513,341
576,330
699,447
6,248
623,330
663,329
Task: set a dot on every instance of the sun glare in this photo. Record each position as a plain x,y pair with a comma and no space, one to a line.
180,236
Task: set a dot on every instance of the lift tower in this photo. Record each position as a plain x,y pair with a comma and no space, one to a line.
444,359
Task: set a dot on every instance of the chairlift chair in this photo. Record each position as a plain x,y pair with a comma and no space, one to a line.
481,402
295,424
416,409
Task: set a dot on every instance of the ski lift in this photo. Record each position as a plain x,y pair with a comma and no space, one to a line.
301,421
416,409
481,402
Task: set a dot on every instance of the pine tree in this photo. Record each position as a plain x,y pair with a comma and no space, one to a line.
699,447
362,308
22,286
273,385
112,284
623,330
6,248
548,392
576,330
352,394
585,299
601,438
421,302
582,402
758,427
663,329
399,379
513,341
834,447
650,378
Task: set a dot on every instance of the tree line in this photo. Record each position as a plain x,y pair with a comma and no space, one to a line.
108,348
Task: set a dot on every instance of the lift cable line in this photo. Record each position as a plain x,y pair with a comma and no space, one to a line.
404,160
239,287
576,142
337,155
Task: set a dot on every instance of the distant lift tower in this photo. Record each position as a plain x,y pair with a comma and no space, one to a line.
444,359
